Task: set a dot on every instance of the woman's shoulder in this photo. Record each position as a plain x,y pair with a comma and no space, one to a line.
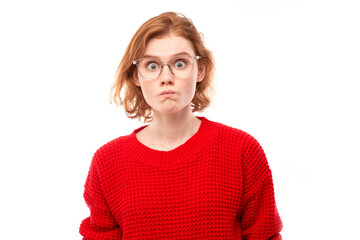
236,138
243,142
112,147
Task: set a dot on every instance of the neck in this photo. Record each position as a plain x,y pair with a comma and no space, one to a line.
174,126
167,131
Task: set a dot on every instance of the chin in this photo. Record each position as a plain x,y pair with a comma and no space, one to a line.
169,110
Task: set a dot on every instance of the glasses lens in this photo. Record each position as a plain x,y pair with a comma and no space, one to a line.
182,66
149,68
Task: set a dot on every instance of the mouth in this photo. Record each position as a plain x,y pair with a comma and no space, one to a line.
167,93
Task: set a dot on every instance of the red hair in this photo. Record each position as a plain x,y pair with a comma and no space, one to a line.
161,25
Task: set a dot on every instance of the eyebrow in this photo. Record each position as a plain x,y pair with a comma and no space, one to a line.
171,56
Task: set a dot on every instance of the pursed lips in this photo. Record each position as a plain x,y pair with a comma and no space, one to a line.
167,93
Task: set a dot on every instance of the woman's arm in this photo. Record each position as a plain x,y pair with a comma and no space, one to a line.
258,215
100,225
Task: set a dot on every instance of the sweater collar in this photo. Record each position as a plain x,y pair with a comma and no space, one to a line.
141,153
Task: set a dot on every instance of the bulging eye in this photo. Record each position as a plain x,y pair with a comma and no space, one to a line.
152,66
179,64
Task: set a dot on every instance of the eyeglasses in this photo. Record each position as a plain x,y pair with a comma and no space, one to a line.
180,66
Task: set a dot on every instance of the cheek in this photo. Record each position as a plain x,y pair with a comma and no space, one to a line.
191,88
147,90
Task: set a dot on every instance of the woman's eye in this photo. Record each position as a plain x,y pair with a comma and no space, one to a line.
180,64
152,66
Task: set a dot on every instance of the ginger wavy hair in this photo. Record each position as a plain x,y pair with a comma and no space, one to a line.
161,25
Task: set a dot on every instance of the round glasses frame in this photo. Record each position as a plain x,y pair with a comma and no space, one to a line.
137,62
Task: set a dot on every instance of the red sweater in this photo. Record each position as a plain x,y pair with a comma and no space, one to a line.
217,185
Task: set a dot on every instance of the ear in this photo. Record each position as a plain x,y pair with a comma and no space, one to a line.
136,78
201,72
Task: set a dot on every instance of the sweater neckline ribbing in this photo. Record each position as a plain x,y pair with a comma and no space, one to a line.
157,158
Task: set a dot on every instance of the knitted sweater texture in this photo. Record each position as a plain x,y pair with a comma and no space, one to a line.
217,185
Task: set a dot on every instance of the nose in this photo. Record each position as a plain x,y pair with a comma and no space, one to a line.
166,77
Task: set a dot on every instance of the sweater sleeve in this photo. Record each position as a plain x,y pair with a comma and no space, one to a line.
258,215
101,224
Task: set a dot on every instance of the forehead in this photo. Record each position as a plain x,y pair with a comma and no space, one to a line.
168,46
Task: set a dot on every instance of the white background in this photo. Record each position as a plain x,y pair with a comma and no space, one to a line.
287,73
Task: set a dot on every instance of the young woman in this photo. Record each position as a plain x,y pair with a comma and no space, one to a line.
181,176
